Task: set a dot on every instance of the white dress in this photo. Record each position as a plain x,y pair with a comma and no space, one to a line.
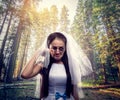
57,82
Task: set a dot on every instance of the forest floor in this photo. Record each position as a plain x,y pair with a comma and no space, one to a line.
24,90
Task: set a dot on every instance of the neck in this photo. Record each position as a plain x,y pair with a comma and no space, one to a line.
58,61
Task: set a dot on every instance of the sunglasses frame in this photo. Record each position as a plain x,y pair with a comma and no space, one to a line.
55,48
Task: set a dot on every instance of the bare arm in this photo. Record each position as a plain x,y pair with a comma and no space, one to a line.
32,68
75,92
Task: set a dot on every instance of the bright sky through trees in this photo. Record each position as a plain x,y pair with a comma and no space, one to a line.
70,4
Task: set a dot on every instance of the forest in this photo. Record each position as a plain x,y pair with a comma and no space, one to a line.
96,28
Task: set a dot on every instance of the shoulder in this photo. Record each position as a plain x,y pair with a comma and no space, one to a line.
43,70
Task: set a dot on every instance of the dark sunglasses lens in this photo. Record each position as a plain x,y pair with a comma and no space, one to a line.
55,48
61,48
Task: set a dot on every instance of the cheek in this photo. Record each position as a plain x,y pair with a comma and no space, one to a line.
62,53
51,52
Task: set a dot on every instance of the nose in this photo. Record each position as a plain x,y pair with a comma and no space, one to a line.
57,51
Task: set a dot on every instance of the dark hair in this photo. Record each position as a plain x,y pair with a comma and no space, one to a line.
69,86
55,35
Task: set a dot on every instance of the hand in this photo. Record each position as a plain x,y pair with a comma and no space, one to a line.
41,56
44,52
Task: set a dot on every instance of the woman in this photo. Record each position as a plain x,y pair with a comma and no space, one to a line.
60,66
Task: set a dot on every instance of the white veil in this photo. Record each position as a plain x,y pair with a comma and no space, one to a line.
79,64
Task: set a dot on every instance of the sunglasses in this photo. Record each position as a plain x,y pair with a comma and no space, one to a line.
57,48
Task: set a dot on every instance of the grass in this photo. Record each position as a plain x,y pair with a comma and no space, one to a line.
18,91
87,84
24,90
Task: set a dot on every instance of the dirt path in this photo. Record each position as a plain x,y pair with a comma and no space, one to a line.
100,95
25,91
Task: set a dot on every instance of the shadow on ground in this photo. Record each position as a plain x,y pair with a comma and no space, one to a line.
25,91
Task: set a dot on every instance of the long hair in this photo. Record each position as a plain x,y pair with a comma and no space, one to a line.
64,59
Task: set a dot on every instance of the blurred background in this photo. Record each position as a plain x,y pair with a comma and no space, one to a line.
94,24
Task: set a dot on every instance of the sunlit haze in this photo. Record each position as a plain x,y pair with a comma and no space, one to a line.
70,4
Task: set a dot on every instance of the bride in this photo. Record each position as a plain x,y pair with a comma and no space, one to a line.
59,65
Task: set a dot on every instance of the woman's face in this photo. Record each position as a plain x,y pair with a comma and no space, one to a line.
57,49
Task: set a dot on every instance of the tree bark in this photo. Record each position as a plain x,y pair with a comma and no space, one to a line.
3,46
112,37
15,46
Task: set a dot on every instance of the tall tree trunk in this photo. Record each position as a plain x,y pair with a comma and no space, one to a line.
105,75
23,58
3,22
9,76
5,16
3,46
12,63
111,35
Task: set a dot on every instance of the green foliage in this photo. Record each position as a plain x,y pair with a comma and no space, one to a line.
81,28
64,22
96,27
108,15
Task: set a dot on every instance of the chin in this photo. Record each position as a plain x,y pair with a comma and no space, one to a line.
57,59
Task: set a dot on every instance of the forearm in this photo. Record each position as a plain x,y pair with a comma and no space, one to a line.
32,68
32,71
75,92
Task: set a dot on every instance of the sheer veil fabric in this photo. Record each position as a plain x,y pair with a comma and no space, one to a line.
79,64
